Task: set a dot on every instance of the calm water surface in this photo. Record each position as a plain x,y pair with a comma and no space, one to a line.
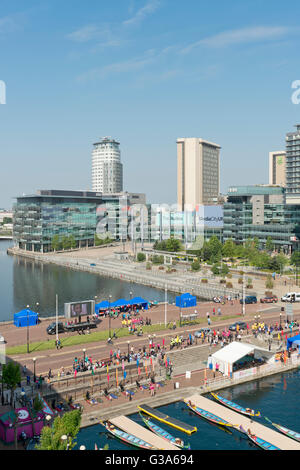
26,282
275,397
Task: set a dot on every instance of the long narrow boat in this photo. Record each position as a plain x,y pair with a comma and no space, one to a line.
126,437
288,432
261,442
164,418
234,406
206,414
164,434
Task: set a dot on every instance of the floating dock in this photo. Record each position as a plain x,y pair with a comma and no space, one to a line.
236,420
127,425
164,418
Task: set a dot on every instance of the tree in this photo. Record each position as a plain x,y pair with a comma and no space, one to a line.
56,243
172,244
269,244
195,265
228,249
72,241
215,246
68,425
224,270
295,258
11,376
36,408
66,244
215,269
141,257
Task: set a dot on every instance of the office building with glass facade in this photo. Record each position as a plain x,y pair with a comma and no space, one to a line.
261,211
40,218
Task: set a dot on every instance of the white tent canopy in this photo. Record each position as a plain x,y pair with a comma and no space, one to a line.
232,353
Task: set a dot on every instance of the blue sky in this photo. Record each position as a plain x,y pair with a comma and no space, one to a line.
144,72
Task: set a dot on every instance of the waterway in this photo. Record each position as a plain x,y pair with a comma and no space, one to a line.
276,397
27,282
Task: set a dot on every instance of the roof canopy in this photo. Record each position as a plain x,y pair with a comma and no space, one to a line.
292,340
104,305
186,300
25,317
232,353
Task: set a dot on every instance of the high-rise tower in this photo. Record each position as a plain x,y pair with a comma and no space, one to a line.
107,169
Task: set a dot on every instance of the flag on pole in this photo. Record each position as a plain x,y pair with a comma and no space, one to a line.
123,366
107,378
124,374
139,371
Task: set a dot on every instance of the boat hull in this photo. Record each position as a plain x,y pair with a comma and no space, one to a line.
234,406
207,415
163,434
127,438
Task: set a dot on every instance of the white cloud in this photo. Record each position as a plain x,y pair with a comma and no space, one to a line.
9,24
239,36
84,34
150,7
130,65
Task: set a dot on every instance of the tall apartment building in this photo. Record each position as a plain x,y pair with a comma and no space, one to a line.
107,169
277,168
198,173
293,163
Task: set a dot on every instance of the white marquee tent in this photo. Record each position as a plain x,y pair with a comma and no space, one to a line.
227,356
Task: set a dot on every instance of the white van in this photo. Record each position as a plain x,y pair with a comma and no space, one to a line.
291,297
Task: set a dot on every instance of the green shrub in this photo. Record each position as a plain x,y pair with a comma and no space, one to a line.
141,257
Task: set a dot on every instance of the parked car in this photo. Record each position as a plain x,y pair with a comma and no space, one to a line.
249,299
242,326
206,331
291,297
269,299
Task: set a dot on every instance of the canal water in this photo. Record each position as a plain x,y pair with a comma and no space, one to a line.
26,282
276,397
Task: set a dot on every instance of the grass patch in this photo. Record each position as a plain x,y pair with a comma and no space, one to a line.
75,340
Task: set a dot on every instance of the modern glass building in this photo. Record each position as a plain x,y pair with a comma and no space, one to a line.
161,222
261,211
78,215
293,162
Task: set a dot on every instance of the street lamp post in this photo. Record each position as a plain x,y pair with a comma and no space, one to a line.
64,438
128,343
130,301
109,319
34,375
84,350
27,328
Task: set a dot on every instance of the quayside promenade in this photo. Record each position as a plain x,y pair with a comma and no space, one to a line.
102,261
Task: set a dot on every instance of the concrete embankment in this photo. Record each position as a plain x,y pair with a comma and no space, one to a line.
175,282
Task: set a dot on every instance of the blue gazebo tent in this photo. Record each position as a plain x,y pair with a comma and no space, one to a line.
104,305
120,303
294,341
26,317
139,301
186,300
